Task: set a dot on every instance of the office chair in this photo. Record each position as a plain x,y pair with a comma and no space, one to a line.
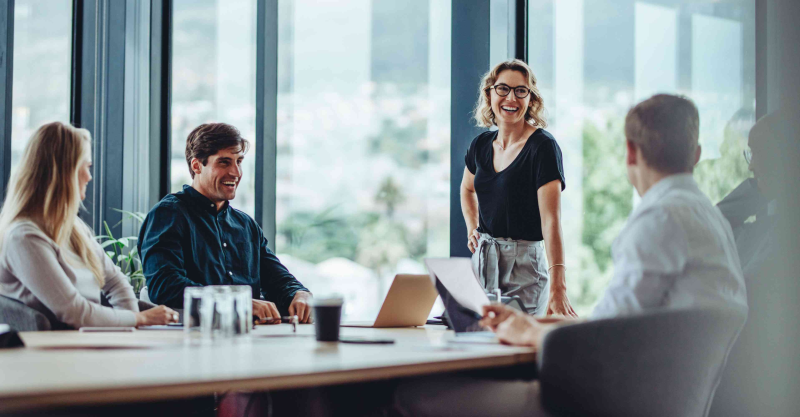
665,363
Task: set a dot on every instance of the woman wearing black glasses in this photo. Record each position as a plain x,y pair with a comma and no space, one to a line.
511,194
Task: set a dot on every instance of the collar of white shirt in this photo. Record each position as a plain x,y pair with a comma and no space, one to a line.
657,190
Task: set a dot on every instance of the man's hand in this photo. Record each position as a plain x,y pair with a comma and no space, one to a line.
265,311
494,314
511,326
300,306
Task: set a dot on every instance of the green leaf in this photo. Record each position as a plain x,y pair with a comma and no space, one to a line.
110,254
107,243
139,217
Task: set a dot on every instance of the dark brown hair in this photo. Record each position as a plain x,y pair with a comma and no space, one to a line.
209,138
666,128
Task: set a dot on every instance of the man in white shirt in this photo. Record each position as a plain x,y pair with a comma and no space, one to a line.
676,251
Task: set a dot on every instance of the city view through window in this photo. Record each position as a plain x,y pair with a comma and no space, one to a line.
42,51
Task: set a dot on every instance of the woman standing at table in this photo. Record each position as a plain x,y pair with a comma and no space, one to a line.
511,193
48,257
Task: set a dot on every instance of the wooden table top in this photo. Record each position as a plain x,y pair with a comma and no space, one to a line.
72,368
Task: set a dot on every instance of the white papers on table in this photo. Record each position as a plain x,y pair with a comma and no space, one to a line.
456,275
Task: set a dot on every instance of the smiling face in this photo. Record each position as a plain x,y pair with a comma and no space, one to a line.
510,110
220,176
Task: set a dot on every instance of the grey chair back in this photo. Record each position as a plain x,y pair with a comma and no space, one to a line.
665,363
21,317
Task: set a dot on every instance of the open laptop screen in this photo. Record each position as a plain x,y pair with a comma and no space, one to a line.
461,319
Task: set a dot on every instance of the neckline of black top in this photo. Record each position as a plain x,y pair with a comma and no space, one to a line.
516,158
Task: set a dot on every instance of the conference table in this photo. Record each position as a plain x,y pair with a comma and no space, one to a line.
69,368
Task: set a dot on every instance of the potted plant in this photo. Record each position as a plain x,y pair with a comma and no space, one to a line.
124,253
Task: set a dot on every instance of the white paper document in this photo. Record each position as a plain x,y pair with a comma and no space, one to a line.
456,275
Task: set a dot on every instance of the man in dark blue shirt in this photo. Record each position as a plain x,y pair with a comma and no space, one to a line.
194,238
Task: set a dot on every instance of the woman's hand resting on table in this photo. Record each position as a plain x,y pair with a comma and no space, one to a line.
158,315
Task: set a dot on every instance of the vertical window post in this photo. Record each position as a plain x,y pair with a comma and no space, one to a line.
470,60
160,98
266,115
520,35
98,91
6,88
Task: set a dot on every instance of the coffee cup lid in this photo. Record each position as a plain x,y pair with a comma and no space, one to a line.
333,300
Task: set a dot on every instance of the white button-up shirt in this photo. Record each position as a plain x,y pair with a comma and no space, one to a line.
676,251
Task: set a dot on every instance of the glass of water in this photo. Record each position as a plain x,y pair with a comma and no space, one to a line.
242,309
217,312
192,304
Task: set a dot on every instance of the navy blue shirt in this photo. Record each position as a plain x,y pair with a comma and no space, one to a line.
185,242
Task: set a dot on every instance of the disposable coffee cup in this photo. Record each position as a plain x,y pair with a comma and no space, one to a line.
327,317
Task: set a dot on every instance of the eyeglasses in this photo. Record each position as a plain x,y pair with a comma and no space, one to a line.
503,90
748,156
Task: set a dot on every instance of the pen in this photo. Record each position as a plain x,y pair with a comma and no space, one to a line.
293,320
284,319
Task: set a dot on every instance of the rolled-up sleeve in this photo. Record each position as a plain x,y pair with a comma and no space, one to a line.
650,254
163,257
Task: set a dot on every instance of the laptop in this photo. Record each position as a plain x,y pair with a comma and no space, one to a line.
463,296
408,303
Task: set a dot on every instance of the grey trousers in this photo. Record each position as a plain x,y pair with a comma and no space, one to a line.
517,267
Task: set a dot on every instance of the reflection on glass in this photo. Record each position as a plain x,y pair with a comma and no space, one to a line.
213,80
595,59
42,45
363,143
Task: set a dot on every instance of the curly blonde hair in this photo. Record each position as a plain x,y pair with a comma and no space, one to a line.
484,115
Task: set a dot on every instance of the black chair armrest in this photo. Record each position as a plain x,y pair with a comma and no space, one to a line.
21,317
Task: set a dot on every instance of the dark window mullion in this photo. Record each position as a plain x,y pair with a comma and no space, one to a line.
266,116
6,88
160,98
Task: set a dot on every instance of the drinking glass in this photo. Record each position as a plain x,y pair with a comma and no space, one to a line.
192,305
216,312
242,309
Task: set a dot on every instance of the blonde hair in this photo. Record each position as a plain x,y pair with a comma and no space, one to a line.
45,189
484,115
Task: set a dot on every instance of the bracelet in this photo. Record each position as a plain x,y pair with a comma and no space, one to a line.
553,266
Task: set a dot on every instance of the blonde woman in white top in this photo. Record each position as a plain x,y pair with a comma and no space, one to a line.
48,258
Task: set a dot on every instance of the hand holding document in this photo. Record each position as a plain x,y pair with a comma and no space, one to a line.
457,276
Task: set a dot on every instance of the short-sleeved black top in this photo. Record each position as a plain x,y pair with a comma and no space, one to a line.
507,201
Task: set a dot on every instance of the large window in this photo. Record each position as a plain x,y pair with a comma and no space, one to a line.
213,80
594,59
42,49
363,143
